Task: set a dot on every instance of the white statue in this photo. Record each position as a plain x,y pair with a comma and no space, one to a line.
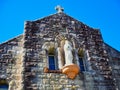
68,53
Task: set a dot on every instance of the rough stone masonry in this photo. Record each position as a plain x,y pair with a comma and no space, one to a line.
24,59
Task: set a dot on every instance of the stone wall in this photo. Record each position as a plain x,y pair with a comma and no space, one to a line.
11,62
23,59
37,33
90,40
114,62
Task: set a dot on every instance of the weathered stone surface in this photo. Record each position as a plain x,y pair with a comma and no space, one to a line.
23,58
12,53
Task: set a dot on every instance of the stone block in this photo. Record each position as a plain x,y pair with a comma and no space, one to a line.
52,82
63,81
63,76
46,81
78,82
57,87
49,88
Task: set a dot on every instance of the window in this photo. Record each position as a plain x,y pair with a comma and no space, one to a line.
51,61
81,64
51,58
3,85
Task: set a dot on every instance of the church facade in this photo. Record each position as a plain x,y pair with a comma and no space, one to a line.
59,52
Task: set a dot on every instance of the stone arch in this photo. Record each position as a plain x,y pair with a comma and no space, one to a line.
61,39
50,51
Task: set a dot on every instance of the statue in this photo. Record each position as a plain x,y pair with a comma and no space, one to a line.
68,53
65,55
65,59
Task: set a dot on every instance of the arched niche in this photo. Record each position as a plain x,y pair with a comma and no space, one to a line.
67,55
66,42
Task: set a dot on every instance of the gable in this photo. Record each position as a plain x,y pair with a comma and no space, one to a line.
57,23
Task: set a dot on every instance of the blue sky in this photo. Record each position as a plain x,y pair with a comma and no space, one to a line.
101,14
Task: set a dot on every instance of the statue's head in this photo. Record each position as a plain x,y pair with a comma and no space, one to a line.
68,45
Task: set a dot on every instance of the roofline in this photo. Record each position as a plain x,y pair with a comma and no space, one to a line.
11,39
39,19
112,47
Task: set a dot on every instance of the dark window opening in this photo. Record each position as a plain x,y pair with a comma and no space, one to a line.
81,65
51,61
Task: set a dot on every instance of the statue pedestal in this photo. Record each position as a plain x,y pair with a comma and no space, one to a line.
71,70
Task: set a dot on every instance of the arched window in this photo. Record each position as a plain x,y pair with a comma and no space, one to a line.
3,84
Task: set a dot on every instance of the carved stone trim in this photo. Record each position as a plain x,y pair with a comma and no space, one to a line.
46,70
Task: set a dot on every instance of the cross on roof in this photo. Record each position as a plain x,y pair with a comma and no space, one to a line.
59,9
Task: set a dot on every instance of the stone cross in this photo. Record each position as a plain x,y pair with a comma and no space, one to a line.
59,9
